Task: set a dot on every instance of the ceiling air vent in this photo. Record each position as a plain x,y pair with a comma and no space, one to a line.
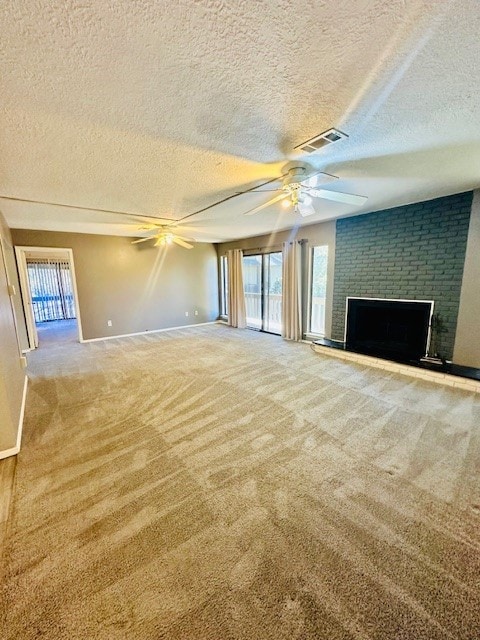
316,143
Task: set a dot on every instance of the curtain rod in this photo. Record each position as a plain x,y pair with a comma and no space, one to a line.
271,249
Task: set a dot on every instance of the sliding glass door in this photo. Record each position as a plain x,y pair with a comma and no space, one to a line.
272,292
262,281
253,285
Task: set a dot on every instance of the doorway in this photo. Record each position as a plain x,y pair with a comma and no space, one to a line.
262,281
47,280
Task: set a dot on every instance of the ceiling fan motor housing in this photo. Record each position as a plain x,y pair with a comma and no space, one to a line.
292,184
295,177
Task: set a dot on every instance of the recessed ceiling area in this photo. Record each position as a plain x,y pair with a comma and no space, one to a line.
112,110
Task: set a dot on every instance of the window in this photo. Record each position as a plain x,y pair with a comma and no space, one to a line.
223,286
318,287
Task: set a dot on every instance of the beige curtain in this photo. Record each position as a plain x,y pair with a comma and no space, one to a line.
292,291
237,316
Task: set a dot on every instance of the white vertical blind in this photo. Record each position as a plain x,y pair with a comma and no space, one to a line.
51,287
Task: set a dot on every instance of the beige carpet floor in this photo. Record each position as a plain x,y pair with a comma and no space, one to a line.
219,484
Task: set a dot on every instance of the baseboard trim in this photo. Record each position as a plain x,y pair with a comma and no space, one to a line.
6,453
142,333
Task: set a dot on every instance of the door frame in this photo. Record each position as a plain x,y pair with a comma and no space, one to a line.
11,292
20,252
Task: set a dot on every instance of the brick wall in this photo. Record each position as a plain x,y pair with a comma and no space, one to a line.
414,252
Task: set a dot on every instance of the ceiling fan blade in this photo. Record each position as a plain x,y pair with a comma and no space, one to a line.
337,196
305,209
143,240
184,238
227,198
312,179
282,196
182,243
259,191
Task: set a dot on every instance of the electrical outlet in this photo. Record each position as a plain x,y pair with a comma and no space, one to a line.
109,323
23,362
186,313
196,312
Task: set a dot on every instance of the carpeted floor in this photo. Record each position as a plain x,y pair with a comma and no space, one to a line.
57,331
219,484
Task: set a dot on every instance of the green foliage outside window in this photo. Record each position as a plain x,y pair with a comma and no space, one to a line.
319,271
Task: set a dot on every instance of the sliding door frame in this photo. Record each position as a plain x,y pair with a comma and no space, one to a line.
263,255
255,255
21,255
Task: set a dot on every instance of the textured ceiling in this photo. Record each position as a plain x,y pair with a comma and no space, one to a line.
162,108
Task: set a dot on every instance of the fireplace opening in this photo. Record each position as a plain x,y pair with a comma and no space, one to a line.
394,329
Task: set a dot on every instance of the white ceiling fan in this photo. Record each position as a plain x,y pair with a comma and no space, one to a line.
164,236
299,189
